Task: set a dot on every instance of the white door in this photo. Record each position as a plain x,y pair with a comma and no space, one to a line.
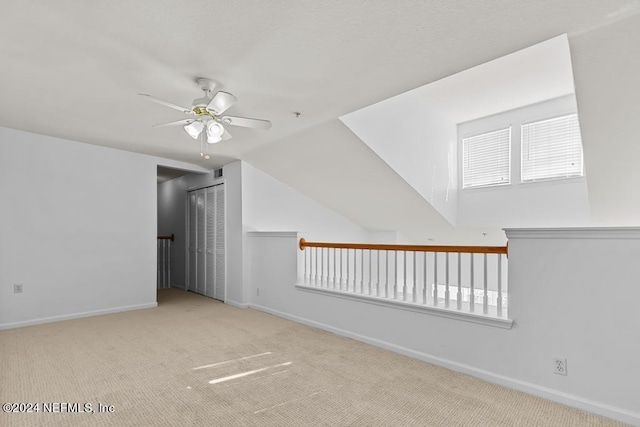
219,244
210,241
192,265
201,247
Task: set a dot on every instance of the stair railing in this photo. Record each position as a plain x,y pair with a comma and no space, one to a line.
462,278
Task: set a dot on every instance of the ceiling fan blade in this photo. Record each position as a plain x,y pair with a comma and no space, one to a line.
221,102
246,122
226,135
176,123
166,104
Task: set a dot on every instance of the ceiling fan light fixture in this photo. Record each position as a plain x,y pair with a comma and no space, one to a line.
214,132
194,129
213,140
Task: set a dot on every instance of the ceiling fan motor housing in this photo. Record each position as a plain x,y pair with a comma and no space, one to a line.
201,102
208,87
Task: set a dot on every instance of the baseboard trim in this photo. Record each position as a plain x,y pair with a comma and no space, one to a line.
62,317
236,303
574,401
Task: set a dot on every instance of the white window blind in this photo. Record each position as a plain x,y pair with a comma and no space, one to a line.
551,149
486,159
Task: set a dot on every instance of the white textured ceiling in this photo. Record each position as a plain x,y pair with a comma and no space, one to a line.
72,68
528,76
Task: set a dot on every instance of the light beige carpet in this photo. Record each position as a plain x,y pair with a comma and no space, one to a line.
266,371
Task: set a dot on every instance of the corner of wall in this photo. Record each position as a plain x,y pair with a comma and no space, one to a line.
237,286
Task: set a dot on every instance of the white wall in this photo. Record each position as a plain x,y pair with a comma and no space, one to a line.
417,141
606,66
555,203
234,213
78,227
331,165
572,294
270,205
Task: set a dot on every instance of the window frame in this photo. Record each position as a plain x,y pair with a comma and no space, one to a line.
555,178
516,117
494,129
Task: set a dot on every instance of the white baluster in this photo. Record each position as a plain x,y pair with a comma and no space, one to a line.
362,271
435,278
499,302
340,280
378,274
355,268
395,274
325,267
164,262
321,267
404,276
369,271
472,295
415,278
386,285
329,280
323,277
485,299
334,268
325,272
304,276
315,267
424,279
459,295
327,276
446,283
348,262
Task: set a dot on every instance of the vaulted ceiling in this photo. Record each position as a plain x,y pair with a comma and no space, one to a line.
72,69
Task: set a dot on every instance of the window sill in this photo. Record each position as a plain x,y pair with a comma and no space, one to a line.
526,184
553,181
488,187
449,313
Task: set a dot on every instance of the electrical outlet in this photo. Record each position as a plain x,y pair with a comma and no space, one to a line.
17,288
560,366
257,292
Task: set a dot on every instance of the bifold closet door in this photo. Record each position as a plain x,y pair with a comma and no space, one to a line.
219,244
192,268
201,246
211,238
215,242
206,250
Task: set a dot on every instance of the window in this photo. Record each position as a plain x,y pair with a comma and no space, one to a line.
551,149
486,159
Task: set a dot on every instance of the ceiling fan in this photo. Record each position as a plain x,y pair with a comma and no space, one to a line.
206,113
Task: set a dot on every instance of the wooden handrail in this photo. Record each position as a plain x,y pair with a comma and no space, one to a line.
408,248
166,237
